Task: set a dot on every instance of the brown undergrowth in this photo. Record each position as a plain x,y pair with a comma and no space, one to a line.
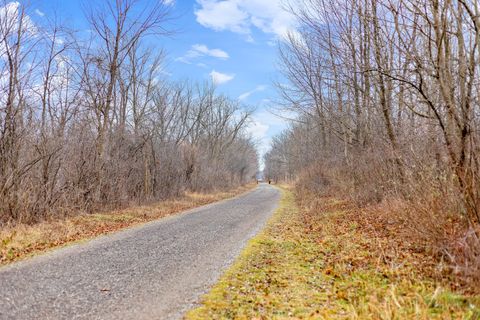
22,240
378,241
403,236
424,217
323,258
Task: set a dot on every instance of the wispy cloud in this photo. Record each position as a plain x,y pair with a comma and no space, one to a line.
219,78
39,13
247,94
201,50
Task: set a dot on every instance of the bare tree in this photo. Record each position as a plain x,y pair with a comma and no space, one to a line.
91,122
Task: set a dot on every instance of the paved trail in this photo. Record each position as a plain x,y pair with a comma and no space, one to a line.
156,271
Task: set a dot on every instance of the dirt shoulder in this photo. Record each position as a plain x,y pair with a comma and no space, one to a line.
319,259
21,241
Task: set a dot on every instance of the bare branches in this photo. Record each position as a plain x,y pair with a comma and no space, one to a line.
395,79
86,124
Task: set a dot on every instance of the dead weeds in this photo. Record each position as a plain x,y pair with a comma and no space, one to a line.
322,258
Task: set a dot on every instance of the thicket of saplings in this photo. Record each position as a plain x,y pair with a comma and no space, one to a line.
87,121
386,95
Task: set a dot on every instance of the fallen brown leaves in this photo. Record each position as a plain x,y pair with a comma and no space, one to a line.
389,239
323,258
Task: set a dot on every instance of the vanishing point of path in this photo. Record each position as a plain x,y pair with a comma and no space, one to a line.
155,271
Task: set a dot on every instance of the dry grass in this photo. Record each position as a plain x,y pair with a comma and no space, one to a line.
22,240
322,258
427,212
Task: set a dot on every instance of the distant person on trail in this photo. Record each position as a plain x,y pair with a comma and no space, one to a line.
269,181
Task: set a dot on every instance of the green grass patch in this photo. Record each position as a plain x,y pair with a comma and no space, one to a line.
313,267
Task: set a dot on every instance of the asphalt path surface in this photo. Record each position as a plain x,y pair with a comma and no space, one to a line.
155,271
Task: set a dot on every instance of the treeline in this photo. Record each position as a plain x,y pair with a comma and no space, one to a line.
386,95
88,121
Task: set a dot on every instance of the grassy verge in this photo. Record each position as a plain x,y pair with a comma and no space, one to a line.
21,241
323,262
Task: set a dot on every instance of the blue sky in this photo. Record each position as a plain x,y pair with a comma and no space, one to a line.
232,42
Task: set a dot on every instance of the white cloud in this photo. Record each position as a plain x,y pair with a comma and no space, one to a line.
216,53
10,10
166,73
275,120
219,78
247,94
257,129
169,2
201,50
11,13
240,16
39,13
222,15
183,60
